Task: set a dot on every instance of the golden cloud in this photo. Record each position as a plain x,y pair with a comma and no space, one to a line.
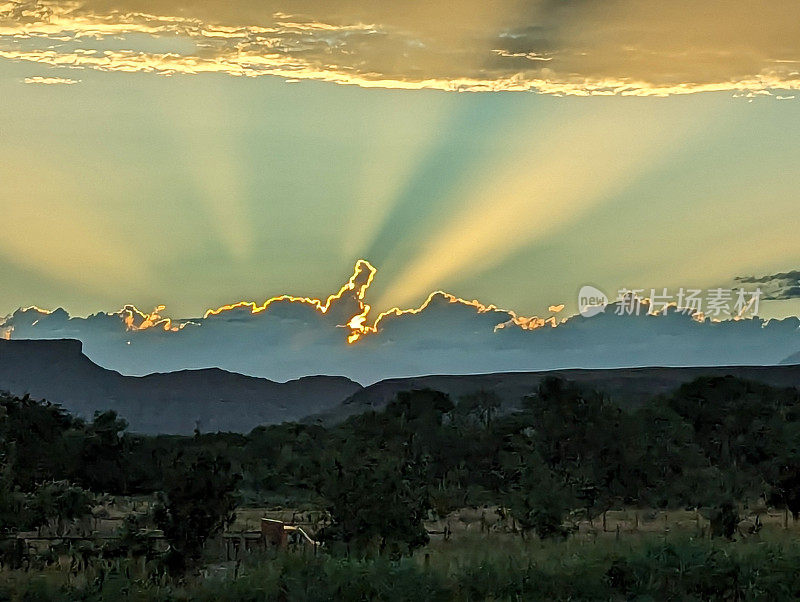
574,47
50,81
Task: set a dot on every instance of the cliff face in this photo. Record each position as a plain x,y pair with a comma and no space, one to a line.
176,402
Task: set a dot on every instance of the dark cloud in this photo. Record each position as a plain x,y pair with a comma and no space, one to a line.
780,286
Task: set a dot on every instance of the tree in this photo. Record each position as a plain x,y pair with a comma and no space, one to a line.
667,466
786,489
482,405
420,406
24,425
735,421
59,502
537,498
14,509
579,434
724,519
197,503
103,460
376,502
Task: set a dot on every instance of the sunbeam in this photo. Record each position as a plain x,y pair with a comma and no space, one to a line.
516,199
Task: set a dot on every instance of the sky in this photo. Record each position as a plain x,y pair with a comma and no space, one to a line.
506,151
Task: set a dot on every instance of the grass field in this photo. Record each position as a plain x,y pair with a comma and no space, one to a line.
631,553
623,523
469,567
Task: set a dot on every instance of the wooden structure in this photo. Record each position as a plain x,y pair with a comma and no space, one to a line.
279,534
274,532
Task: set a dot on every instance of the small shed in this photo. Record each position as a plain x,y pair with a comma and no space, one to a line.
274,532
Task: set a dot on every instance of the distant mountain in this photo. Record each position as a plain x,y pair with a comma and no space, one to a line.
629,387
792,359
175,402
216,400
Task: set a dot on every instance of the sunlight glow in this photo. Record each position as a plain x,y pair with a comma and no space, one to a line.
363,274
522,198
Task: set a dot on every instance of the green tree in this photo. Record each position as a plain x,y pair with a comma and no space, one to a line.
376,502
103,464
536,497
482,405
34,437
59,503
723,520
197,503
579,434
786,488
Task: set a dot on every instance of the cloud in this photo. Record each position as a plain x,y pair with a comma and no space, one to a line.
291,340
50,81
780,286
575,47
289,337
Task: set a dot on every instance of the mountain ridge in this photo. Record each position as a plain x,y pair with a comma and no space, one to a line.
161,402
629,387
213,399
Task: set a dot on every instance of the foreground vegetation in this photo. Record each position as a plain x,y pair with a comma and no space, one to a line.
381,483
473,569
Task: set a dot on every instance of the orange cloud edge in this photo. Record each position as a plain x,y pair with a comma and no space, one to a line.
359,325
